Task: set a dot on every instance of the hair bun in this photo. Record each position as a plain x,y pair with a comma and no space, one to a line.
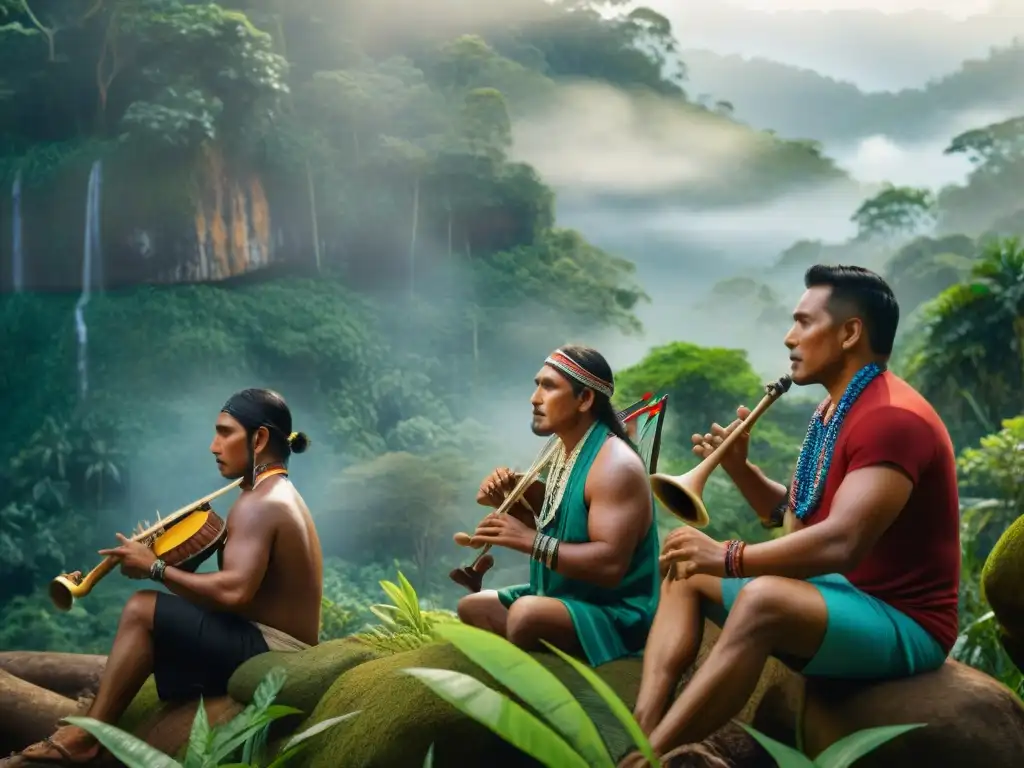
298,442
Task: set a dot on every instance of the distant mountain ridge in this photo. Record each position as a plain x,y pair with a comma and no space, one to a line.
877,51
799,103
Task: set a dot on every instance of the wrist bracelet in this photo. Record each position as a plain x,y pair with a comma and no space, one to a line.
778,515
156,570
734,559
545,550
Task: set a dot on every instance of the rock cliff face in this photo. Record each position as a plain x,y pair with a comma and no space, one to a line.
209,220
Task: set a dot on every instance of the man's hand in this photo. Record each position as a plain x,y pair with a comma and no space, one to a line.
496,486
692,552
504,531
704,445
136,558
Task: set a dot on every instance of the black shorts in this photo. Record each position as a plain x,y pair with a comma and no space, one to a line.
195,650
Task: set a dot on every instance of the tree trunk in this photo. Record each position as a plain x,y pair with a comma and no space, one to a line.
312,213
412,242
69,674
29,713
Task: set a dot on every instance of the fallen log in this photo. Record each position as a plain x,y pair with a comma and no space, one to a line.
74,675
29,713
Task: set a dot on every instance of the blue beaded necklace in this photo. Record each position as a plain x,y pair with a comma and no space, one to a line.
816,454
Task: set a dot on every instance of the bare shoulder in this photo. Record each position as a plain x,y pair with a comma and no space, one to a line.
618,470
256,511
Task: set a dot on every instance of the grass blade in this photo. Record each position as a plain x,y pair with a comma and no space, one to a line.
320,727
783,754
501,715
128,749
849,749
615,704
534,683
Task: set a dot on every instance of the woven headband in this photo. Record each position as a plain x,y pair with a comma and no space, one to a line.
574,370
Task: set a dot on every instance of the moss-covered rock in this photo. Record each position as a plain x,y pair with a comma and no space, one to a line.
1001,581
400,717
309,673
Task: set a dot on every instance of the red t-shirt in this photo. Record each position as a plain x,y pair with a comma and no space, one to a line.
915,565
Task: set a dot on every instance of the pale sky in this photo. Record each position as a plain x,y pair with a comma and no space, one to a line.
954,8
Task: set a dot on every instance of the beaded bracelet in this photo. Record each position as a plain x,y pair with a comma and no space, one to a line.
778,515
545,550
734,559
156,570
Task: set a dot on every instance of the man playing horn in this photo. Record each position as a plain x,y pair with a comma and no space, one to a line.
864,584
266,595
594,545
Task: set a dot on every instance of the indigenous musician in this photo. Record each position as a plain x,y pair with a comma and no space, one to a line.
266,596
864,584
594,544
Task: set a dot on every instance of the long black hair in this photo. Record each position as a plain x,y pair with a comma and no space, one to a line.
593,362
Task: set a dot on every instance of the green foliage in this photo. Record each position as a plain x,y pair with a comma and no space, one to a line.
395,492
554,729
210,747
559,733
842,754
707,383
404,625
895,211
969,356
992,499
925,267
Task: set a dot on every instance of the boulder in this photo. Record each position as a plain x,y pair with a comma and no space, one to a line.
400,718
1001,580
970,718
309,673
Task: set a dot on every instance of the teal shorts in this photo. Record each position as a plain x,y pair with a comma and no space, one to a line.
866,638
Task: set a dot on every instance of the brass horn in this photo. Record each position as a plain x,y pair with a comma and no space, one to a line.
64,590
681,494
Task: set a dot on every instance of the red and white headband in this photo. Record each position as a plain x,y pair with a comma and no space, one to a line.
571,368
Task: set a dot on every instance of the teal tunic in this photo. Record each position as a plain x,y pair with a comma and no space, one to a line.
611,622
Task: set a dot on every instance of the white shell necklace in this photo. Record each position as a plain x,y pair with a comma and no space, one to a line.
558,479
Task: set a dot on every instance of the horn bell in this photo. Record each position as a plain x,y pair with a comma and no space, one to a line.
681,495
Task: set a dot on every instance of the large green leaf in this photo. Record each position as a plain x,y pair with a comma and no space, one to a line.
532,682
615,704
783,754
301,740
500,714
850,749
199,738
231,736
412,599
260,711
130,750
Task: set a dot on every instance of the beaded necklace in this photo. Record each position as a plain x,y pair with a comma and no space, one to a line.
816,454
558,479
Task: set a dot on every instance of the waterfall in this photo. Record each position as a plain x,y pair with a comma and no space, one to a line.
17,258
91,275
